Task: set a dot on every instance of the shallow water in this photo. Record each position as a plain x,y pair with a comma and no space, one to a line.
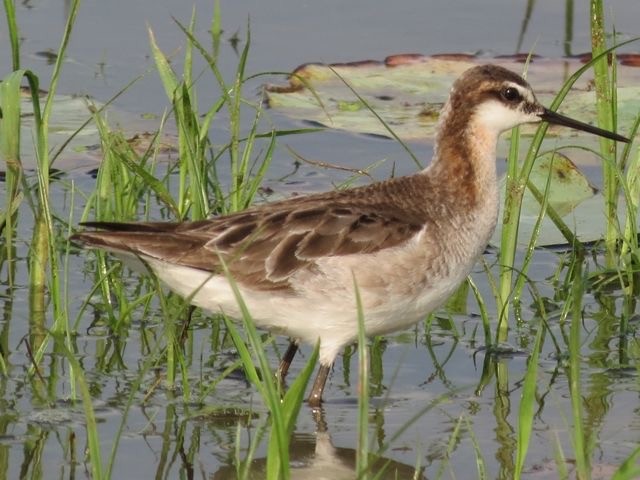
42,433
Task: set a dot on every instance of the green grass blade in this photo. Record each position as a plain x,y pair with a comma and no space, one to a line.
480,463
93,437
216,27
10,108
43,247
605,109
243,351
167,76
508,241
294,397
454,440
362,452
277,465
528,402
545,208
629,470
583,467
14,35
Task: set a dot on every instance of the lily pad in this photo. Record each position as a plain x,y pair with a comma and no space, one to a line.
568,188
73,115
572,196
587,221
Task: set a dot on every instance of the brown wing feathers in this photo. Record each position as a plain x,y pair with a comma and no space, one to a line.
264,246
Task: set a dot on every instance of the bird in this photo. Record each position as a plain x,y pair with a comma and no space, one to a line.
403,245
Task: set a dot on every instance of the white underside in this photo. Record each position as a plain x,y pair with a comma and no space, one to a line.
327,312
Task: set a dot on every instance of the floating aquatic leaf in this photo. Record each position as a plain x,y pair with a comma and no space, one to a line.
71,115
569,186
571,195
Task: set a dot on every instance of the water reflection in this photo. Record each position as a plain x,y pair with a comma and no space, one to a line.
314,456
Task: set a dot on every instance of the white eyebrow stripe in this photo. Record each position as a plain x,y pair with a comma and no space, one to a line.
524,92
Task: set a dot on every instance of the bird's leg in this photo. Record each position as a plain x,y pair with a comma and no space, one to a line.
287,358
315,398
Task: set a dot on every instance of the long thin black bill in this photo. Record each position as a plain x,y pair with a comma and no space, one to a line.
557,119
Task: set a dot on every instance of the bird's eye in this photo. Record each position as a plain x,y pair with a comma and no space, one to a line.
511,94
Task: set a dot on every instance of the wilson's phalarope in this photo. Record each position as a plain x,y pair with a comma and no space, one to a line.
406,242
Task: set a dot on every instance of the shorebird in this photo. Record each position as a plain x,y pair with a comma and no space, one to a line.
407,243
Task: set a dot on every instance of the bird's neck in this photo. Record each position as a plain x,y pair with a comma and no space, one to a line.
464,158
